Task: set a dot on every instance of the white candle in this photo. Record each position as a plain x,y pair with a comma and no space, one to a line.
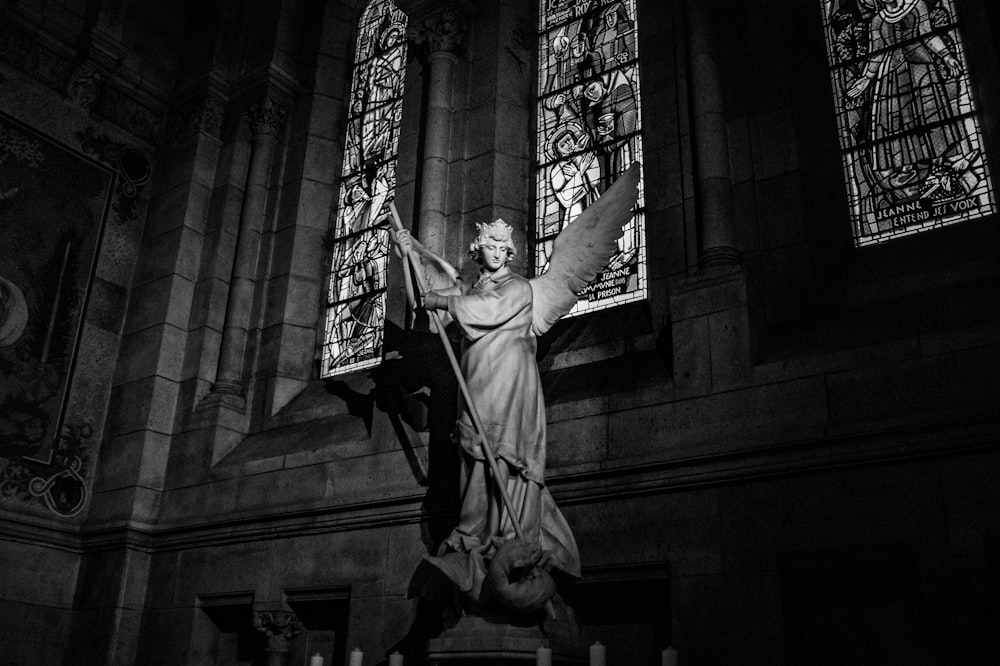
316,660
543,656
395,659
357,657
669,657
597,655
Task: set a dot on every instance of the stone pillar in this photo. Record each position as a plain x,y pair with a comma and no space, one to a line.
265,118
280,627
713,179
715,315
442,34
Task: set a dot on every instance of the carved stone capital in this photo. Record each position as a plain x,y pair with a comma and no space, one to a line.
84,86
265,116
279,626
443,31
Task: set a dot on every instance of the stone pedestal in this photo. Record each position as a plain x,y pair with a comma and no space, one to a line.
484,641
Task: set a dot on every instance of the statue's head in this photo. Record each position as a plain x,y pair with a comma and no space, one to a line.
493,234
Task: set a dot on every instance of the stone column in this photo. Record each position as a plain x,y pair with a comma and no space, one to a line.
714,313
441,34
265,118
280,627
711,143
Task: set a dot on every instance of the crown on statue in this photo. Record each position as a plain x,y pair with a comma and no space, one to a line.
497,231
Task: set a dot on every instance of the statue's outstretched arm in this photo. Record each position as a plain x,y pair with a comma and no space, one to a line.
438,274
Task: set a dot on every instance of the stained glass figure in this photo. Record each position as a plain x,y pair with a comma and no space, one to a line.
909,132
356,297
589,132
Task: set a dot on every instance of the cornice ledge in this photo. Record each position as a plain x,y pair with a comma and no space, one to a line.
40,532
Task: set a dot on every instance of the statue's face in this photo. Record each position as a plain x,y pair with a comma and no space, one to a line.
493,254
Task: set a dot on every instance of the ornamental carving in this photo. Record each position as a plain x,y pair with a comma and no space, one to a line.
265,116
279,626
22,51
132,167
84,86
444,31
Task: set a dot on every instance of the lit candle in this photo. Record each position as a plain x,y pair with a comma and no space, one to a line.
598,655
543,656
395,659
316,660
669,657
357,657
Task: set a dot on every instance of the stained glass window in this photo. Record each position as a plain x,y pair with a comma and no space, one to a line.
589,132
912,147
355,313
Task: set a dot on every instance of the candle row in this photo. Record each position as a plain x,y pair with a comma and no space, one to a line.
599,657
543,657
357,659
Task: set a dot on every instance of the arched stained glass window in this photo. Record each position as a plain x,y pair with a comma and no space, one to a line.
912,147
589,132
355,313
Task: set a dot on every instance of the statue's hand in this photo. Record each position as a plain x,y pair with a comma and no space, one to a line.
435,301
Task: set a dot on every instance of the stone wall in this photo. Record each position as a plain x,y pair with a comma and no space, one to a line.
75,180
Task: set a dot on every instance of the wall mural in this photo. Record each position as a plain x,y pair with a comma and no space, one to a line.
589,132
356,302
54,206
912,146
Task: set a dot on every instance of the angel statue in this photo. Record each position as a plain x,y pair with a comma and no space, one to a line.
510,532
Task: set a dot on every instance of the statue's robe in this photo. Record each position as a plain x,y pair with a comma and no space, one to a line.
500,368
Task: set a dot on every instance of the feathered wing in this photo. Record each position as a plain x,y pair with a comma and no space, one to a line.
582,250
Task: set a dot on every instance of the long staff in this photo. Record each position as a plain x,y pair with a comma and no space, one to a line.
456,368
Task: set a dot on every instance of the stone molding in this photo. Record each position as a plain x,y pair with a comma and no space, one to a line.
86,85
443,31
203,117
265,116
118,107
29,55
585,487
